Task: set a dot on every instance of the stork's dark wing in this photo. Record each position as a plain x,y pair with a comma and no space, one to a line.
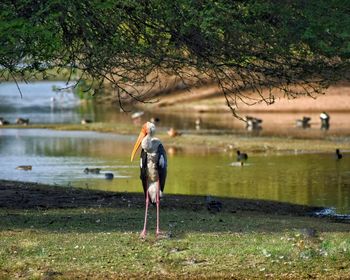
143,170
162,163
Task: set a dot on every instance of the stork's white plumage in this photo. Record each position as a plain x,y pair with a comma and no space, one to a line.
153,166
324,116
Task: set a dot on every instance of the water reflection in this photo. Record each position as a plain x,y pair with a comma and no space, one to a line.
41,104
60,157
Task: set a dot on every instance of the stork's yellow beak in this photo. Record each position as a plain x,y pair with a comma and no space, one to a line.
142,135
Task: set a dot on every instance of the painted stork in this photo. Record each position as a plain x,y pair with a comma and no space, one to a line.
153,166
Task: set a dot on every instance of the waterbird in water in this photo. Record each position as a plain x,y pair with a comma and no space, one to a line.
338,155
109,176
153,168
24,167
241,157
92,170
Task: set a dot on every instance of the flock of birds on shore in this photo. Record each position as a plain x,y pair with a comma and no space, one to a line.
20,121
252,123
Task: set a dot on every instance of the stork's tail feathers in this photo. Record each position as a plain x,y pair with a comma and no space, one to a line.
152,191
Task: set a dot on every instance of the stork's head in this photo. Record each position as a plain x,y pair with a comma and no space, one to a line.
147,129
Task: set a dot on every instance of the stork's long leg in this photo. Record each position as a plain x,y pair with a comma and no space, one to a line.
143,232
158,204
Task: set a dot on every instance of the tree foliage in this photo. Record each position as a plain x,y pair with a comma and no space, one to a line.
299,47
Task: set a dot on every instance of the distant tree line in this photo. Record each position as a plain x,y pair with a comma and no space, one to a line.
299,47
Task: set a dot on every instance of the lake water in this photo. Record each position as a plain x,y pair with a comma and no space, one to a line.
39,103
59,157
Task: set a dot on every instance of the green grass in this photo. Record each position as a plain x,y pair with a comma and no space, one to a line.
104,242
119,128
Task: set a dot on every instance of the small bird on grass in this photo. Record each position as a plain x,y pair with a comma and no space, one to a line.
241,157
213,206
338,155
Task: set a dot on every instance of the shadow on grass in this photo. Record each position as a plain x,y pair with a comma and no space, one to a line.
59,209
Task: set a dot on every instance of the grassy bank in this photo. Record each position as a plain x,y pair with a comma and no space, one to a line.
61,233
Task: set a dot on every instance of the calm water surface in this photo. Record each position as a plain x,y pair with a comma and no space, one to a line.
59,157
39,103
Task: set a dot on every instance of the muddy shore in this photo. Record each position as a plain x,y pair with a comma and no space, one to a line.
23,195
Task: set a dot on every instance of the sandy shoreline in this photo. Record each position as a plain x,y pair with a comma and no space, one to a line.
209,99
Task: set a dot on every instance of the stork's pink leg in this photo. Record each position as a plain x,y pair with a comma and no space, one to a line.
143,232
158,202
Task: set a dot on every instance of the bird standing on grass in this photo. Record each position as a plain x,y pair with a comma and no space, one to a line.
153,165
338,155
241,157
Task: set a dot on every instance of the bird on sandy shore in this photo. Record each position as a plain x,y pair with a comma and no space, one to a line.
338,155
324,117
303,123
198,123
4,122
253,124
22,121
137,115
85,121
173,133
153,169
241,157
